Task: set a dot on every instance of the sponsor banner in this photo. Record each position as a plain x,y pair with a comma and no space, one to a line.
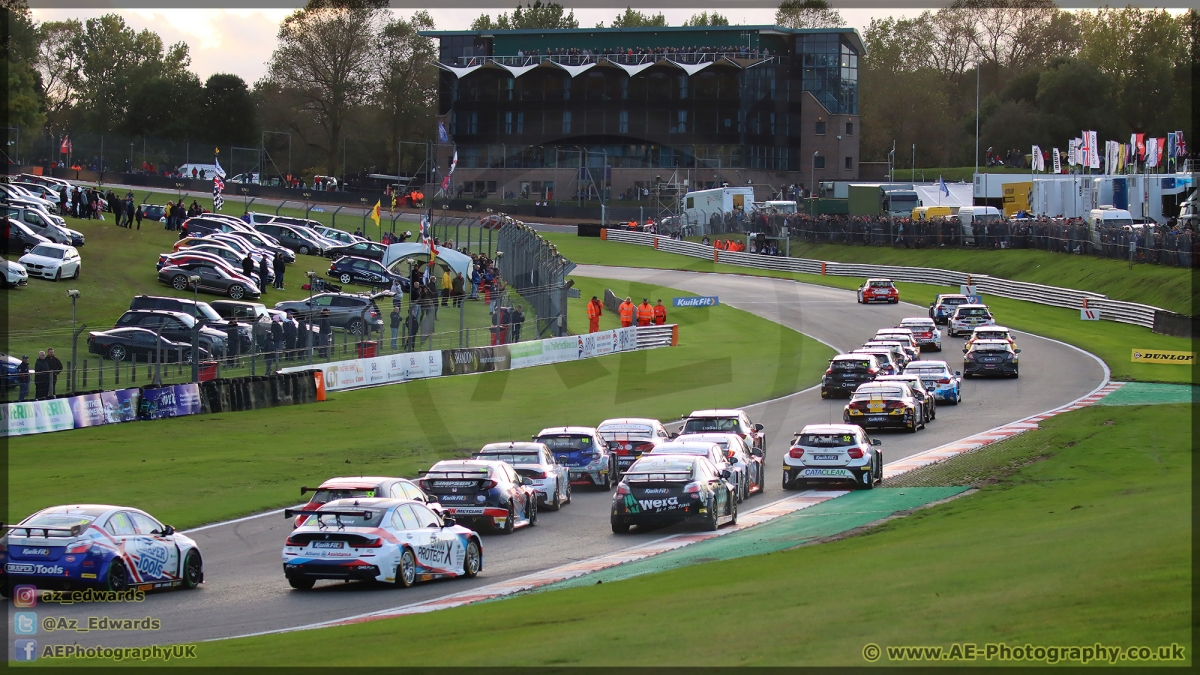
375,370
170,401
557,350
626,339
596,344
474,360
35,417
703,301
1164,357
526,354
344,374
108,407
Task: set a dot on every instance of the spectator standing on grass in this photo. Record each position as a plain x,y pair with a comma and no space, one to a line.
278,338
394,321
247,265
130,209
56,367
411,326
263,273
326,333
234,340
23,379
447,285
280,267
137,215
41,376
518,319
456,289
289,338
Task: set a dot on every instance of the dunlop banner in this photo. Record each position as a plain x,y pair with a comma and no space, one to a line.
1163,356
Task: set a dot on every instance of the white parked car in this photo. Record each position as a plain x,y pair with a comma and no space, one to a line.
15,274
52,261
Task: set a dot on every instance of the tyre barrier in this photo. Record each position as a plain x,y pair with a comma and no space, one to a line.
257,392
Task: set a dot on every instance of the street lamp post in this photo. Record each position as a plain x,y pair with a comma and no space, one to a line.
312,277
194,280
812,174
74,295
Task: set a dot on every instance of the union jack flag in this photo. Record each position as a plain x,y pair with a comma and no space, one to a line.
218,188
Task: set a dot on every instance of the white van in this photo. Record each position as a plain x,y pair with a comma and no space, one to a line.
1107,215
209,170
969,215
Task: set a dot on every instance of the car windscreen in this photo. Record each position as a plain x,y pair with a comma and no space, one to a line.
324,496
925,371
990,347
205,310
834,440
881,284
47,252
699,425
972,311
953,301
991,335
566,442
915,325
512,458
851,366
878,393
611,432
65,520
667,464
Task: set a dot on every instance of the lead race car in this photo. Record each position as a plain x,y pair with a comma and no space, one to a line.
878,290
114,548
393,541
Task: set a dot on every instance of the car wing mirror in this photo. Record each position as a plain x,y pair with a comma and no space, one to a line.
726,473
759,427
1016,351
876,442
526,480
958,373
168,530
447,521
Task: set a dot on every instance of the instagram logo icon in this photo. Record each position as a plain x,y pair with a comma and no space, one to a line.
25,596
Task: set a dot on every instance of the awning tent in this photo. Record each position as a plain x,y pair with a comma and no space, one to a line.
404,255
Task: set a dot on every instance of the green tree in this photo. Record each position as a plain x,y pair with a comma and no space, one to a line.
22,95
58,64
408,89
1075,95
227,112
706,19
807,14
537,15
632,19
327,59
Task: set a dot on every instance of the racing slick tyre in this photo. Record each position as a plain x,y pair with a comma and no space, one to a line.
608,479
302,583
345,278
824,394
473,560
531,511
406,569
568,501
557,503
786,484
508,522
179,282
117,578
714,521
620,528
192,570
236,292
733,520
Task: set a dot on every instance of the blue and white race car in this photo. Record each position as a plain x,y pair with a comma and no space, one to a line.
394,541
584,453
114,548
943,383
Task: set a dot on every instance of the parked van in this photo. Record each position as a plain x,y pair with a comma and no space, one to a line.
931,212
969,215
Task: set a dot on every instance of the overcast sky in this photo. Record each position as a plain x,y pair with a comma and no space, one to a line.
240,41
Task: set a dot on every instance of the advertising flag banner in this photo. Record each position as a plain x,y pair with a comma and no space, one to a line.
1093,156
1057,161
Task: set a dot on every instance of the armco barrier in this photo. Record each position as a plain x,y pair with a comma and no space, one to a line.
395,368
1113,310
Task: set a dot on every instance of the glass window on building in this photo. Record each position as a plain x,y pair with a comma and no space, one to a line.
849,163
683,86
820,130
849,128
623,125
473,128
566,125
819,162
520,123
491,186
508,129
680,126
506,93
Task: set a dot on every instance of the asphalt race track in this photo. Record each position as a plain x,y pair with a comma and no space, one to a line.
245,591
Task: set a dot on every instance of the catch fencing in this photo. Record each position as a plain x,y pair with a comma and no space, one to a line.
533,266
1113,310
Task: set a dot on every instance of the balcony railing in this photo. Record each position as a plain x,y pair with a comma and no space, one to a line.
623,58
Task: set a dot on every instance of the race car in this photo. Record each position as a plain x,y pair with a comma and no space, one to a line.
482,493
114,548
882,405
945,384
990,333
714,453
886,356
991,357
664,489
944,305
846,372
911,347
631,437
917,386
878,290
925,331
747,464
533,461
899,356
586,456
394,541
345,487
833,453
726,421
967,318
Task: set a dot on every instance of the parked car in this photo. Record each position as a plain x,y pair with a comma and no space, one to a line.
346,310
45,225
176,326
213,251
10,368
156,212
262,242
204,225
362,249
121,344
340,236
19,238
350,270
52,261
199,309
213,279
15,274
294,237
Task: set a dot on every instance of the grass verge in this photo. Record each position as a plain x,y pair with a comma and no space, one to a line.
1111,341
238,463
1091,544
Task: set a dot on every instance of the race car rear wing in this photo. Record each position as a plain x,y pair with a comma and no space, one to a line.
291,513
47,532
658,476
459,473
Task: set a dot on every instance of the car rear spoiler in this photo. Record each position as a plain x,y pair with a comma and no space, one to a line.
666,476
47,532
465,473
292,513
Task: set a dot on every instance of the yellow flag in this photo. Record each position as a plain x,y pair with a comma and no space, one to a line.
375,214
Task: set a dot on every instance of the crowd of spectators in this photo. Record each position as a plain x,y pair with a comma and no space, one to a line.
636,55
1160,244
